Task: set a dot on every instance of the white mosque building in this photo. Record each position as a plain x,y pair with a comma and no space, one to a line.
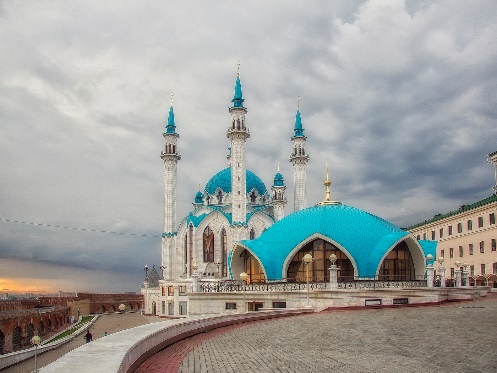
238,227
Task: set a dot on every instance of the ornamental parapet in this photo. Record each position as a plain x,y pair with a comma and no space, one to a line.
169,234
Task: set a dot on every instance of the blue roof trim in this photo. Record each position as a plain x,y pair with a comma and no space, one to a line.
238,99
429,247
171,126
298,130
169,234
365,236
223,180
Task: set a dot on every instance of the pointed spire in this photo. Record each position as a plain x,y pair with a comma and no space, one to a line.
171,126
298,130
238,97
327,199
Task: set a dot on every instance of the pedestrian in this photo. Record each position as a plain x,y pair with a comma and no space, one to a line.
88,336
105,334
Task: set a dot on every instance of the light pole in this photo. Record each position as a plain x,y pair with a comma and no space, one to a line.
307,259
244,277
333,272
146,289
36,340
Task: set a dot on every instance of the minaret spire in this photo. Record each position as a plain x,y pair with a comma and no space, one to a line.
170,156
327,199
278,199
299,159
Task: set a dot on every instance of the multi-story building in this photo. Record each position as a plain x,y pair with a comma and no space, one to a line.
466,238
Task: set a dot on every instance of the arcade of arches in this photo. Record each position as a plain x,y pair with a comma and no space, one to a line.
397,265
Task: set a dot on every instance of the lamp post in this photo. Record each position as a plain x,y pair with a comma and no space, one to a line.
307,259
36,340
333,272
218,265
441,270
146,289
244,277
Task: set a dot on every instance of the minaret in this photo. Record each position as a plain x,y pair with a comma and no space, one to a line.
299,160
492,158
278,199
170,156
238,135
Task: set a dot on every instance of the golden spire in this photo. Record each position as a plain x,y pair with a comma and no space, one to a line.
327,199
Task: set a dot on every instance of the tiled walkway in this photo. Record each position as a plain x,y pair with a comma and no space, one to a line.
456,337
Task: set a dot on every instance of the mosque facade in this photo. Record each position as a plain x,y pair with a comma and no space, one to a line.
238,228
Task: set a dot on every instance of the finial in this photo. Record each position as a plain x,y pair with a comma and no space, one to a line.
238,69
327,199
172,96
298,102
278,166
199,187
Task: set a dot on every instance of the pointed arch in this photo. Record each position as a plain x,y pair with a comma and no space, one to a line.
208,245
224,252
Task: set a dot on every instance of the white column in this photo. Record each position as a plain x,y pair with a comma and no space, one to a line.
429,275
333,277
441,271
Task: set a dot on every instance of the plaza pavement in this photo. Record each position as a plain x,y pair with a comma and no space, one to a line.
454,337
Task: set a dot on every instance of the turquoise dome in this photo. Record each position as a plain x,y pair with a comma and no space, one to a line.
365,237
223,180
278,180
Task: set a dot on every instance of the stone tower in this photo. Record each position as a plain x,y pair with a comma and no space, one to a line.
238,134
278,199
170,156
299,159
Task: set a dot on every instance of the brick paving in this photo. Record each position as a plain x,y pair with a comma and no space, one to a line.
455,337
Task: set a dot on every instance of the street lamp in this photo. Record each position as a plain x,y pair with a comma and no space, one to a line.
244,277
36,340
307,259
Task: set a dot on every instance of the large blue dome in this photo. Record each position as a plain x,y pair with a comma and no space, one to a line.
223,180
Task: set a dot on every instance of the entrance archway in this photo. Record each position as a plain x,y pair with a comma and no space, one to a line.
252,268
320,251
398,265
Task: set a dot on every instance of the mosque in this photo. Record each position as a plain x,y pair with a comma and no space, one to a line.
238,230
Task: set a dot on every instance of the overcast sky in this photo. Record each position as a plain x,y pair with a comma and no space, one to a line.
400,98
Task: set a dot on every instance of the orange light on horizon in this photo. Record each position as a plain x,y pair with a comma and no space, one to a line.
24,285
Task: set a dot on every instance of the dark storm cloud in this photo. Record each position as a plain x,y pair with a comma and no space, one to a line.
398,98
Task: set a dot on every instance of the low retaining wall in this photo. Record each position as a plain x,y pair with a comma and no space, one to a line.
123,352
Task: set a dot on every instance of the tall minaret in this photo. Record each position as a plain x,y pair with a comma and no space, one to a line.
278,199
299,160
170,156
238,135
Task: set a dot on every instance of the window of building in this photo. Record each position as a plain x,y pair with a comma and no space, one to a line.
459,227
470,225
471,270
170,308
170,290
224,250
450,230
255,306
470,249
163,307
461,252
183,306
185,248
495,268
163,291
442,253
491,218
441,232
451,252
279,304
252,234
424,236
432,235
494,245
482,247
208,245
230,306
418,237
182,289
452,273
482,269
480,222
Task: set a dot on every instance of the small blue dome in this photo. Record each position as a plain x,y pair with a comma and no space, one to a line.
278,180
199,197
223,180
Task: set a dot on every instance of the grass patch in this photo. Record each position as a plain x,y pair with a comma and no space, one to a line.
73,329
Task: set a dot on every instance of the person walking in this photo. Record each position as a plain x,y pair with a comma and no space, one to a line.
88,336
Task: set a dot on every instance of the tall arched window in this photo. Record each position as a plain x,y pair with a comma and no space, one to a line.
252,268
224,250
208,245
252,234
185,262
319,268
190,253
398,264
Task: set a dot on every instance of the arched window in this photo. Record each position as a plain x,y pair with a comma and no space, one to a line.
185,260
208,245
253,196
398,264
224,250
319,268
220,197
252,268
190,240
31,331
16,338
2,342
252,234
